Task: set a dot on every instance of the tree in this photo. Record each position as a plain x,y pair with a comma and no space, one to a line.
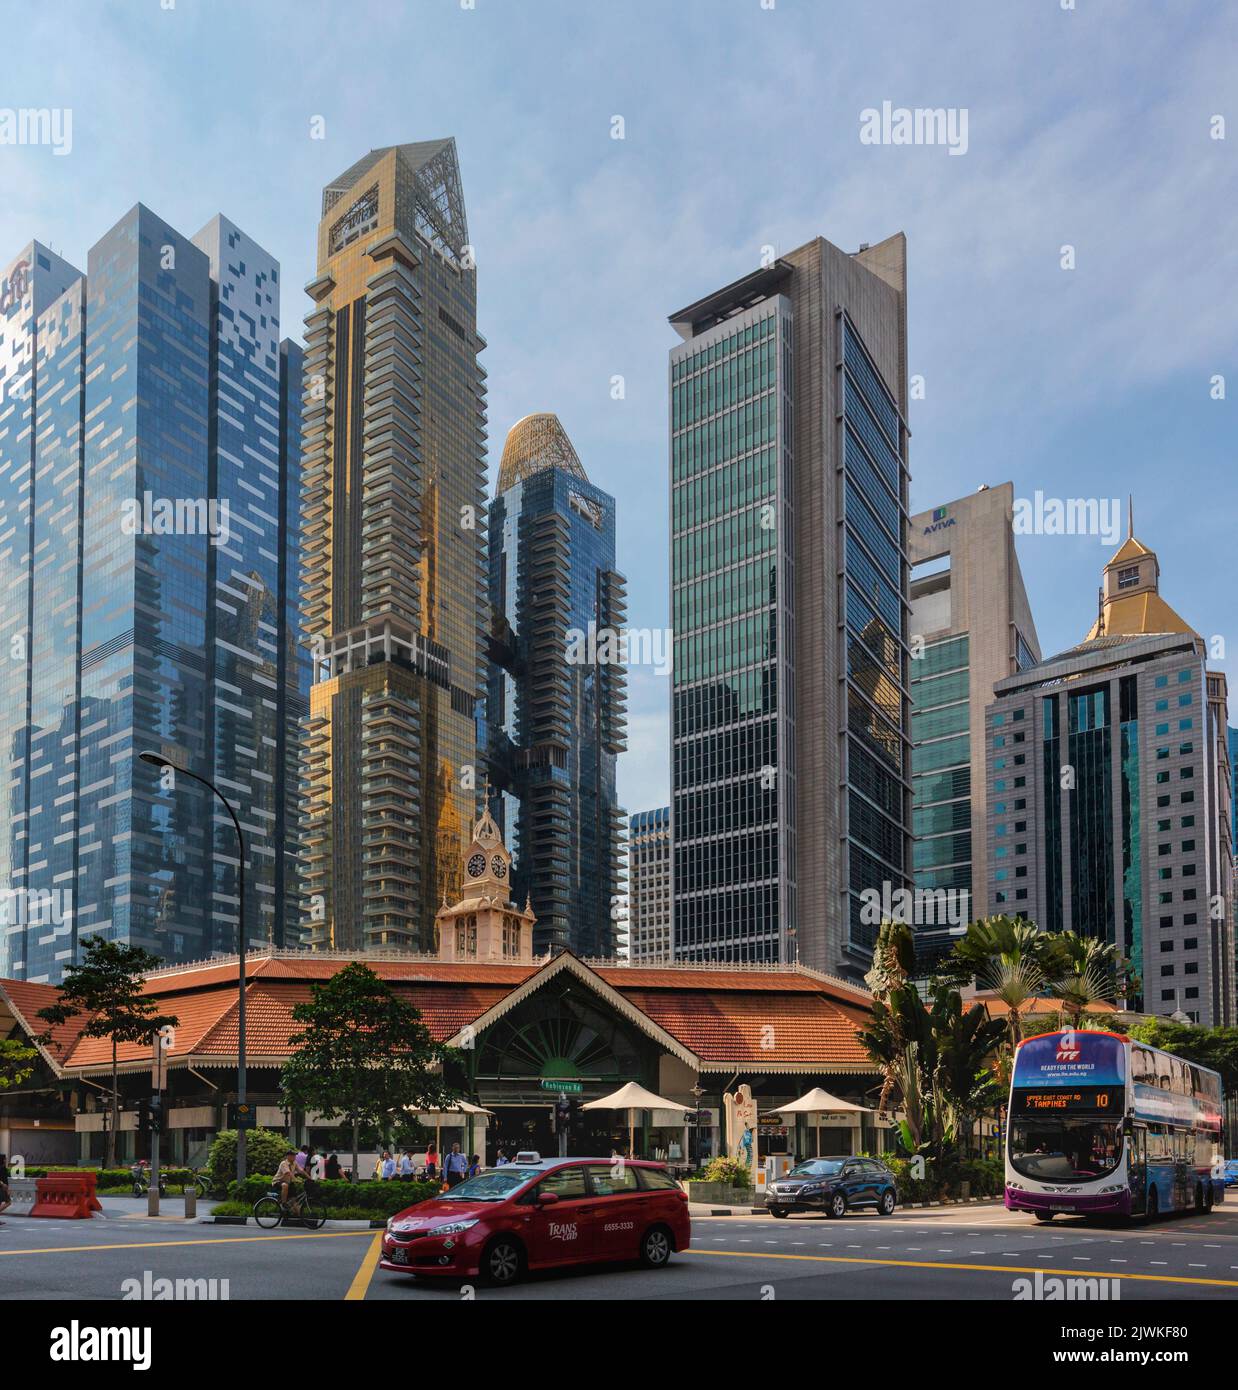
364,1054
1084,970
16,1063
106,986
1005,955
938,1059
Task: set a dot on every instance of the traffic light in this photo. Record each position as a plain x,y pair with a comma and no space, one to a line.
155,1108
143,1108
563,1116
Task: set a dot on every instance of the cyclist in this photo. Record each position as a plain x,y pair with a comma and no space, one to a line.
288,1180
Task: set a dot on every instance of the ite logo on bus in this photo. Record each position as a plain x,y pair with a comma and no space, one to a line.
1068,1050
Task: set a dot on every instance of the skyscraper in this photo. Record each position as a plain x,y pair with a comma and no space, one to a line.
393,521
1109,795
971,625
649,886
142,474
791,763
555,708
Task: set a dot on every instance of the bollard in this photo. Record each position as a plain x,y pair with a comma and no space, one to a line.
191,1200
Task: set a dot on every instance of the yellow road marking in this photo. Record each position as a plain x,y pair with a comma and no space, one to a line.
361,1280
989,1269
167,1244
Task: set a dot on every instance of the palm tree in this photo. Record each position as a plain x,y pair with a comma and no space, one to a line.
1084,970
1006,955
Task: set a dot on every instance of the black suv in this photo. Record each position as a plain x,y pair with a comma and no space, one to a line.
834,1186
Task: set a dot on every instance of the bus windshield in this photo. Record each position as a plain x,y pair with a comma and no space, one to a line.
1065,1149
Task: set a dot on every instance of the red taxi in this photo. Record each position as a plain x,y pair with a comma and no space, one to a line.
555,1212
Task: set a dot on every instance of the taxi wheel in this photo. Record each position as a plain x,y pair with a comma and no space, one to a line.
502,1262
886,1205
1044,1215
655,1247
838,1205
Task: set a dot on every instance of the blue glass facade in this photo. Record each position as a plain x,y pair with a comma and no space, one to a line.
153,607
554,722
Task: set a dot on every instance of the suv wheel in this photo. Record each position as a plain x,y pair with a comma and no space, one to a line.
886,1205
501,1263
655,1247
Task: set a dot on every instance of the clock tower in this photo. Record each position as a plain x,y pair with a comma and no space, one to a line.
485,925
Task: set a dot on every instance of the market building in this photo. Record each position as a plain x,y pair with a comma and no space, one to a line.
526,1029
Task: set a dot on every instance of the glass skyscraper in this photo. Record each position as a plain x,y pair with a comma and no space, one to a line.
394,558
791,750
1109,796
971,625
555,706
142,604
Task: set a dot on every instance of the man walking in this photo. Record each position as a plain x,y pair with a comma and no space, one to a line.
454,1166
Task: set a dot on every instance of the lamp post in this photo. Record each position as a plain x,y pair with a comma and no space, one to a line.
159,761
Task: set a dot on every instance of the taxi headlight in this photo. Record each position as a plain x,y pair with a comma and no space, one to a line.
454,1227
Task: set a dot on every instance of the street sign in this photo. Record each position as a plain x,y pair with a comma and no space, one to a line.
242,1116
573,1088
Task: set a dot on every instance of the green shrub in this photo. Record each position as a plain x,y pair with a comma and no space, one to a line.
363,1199
231,1209
734,1172
264,1150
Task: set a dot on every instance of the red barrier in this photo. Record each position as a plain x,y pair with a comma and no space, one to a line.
70,1196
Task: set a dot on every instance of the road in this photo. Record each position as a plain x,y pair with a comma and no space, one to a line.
949,1253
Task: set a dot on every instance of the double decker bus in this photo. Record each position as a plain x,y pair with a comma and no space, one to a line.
1101,1124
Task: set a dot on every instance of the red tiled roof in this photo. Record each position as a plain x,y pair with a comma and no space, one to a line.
26,1001
717,1015
750,1027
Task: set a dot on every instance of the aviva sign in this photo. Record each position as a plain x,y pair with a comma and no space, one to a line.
939,522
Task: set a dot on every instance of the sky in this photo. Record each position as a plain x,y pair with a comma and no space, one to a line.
1091,124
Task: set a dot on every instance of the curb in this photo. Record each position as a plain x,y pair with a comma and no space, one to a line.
340,1225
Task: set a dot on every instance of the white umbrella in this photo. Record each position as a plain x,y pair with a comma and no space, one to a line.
459,1107
631,1098
818,1102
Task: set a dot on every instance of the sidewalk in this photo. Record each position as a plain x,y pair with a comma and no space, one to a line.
758,1208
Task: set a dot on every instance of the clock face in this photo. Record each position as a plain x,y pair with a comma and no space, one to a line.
497,867
476,865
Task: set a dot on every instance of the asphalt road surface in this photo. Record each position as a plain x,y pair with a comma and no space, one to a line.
951,1253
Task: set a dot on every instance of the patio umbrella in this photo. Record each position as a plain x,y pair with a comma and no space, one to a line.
631,1098
818,1102
459,1107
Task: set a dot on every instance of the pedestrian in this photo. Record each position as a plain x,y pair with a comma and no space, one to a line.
388,1169
6,1200
455,1166
474,1166
302,1157
431,1159
406,1165
501,1159
378,1166
333,1168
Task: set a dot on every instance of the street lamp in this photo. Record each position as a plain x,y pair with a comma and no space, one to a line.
158,760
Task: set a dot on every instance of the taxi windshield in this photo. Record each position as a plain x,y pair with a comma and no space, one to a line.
495,1186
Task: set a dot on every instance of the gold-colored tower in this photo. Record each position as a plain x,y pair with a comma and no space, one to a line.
393,516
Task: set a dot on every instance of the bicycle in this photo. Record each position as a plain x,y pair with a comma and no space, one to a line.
269,1212
141,1182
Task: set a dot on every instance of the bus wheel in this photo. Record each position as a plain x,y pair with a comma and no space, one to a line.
1045,1216
1154,1205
